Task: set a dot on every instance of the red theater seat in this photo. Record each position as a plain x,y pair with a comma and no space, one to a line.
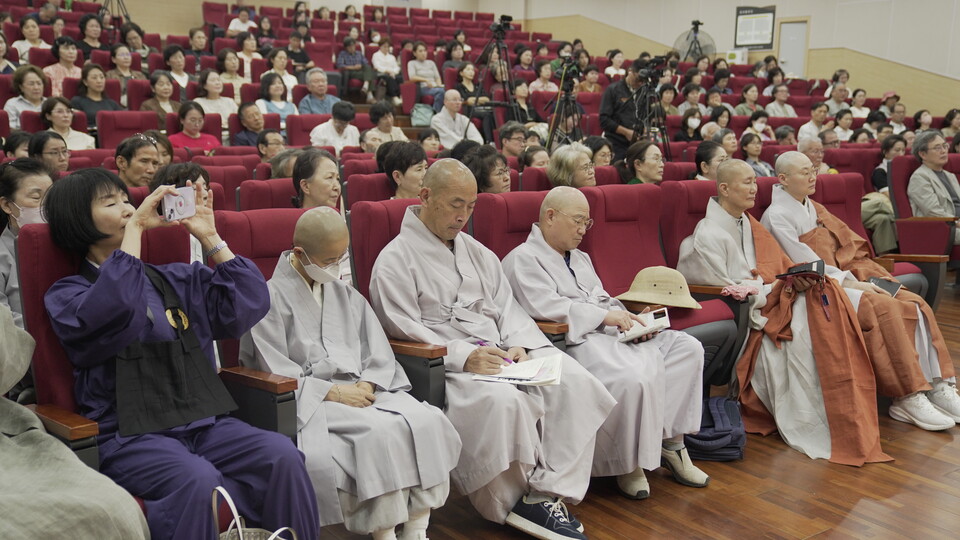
368,187
358,166
115,126
211,124
248,161
259,194
31,122
502,222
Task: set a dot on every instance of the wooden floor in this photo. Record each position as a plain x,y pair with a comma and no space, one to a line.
775,492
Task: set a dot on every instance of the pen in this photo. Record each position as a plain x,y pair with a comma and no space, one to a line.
482,343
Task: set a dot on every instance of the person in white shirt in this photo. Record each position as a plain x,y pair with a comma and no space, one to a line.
210,98
837,102
337,132
858,108
812,129
899,112
451,125
242,23
277,60
844,122
388,70
779,106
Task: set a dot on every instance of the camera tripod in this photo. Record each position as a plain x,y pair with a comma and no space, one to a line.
694,51
496,43
651,119
565,127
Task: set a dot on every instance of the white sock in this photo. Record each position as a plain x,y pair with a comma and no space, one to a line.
385,534
416,525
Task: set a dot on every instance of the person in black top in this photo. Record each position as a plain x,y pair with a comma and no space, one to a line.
90,29
198,45
475,99
689,126
618,110
528,114
90,96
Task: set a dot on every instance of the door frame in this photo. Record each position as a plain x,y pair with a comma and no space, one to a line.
806,52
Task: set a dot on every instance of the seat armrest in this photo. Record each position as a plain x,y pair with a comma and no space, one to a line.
637,307
932,219
419,350
887,264
902,257
548,327
710,290
65,425
261,380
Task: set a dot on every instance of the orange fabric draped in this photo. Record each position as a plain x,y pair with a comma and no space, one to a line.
845,373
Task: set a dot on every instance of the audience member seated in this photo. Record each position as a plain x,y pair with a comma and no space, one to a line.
858,108
817,123
273,98
209,90
405,164
298,56
133,36
473,97
719,115
813,149
695,77
198,45
7,66
844,119
266,36
888,100
752,144
252,121
241,23
910,359
49,148
122,71
721,81
922,120
387,69
543,82
779,107
535,157
667,94
317,101
524,61
590,80
57,115
837,101
137,160
15,145
429,140
460,37
162,101
355,401
353,65
281,166
28,83
748,100
884,131
247,47
91,26
451,125
691,99
338,131
164,148
90,96
615,69
951,124
45,14
861,135
836,421
228,65
786,135
370,140
708,130
277,60
759,126
176,62
688,126
191,122
64,50
529,116
601,150
571,165
512,140
709,156
178,481
933,191
269,143
656,379
30,31
509,467
490,169
715,103
841,76
642,164
454,56
424,72
381,114
727,139
316,178
23,184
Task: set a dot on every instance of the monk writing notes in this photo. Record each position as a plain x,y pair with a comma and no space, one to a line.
818,393
525,449
657,383
910,359
377,456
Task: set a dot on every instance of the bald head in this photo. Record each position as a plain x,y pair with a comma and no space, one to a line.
447,173
447,196
319,228
452,101
732,170
562,198
791,161
736,187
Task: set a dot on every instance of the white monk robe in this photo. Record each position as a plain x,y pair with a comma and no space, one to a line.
657,383
721,252
515,439
386,461
788,219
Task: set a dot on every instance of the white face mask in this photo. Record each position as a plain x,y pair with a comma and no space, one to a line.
321,275
29,216
759,126
694,123
376,38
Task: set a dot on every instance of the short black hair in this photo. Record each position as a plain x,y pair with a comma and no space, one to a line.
344,111
244,106
171,50
202,82
509,128
15,140
68,207
482,160
47,107
266,81
401,157
62,41
378,110
304,168
721,74
262,138
38,140
381,154
461,148
596,142
188,106
705,152
177,174
427,133
85,20
129,146
11,175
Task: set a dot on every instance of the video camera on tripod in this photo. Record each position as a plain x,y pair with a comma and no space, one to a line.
651,72
500,28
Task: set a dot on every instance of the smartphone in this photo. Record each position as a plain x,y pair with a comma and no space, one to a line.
181,205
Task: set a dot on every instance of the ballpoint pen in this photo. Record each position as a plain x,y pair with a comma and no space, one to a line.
485,344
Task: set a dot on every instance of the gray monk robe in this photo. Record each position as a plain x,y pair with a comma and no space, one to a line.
45,491
516,439
657,383
371,467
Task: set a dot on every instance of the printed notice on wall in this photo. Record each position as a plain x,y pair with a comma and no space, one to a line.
755,27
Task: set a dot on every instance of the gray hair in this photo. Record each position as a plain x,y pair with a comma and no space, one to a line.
313,71
922,142
718,136
563,162
783,131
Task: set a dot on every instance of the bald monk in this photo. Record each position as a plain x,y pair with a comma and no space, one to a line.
820,394
377,457
910,359
657,382
526,449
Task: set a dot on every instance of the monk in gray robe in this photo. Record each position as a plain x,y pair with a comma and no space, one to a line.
377,456
46,491
657,383
526,449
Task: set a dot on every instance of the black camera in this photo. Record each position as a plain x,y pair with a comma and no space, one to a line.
502,26
653,69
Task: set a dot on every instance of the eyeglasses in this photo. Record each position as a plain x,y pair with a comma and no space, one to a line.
940,147
517,139
654,159
58,153
586,223
587,167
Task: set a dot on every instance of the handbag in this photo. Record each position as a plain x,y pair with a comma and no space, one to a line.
238,529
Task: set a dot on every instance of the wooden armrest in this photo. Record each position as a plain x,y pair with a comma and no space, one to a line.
901,257
261,380
887,264
64,424
712,290
553,328
637,307
930,219
420,350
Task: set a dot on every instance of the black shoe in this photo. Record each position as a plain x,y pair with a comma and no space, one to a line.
547,520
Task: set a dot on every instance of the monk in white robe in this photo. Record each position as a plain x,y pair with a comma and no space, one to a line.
910,359
377,457
657,381
820,394
526,449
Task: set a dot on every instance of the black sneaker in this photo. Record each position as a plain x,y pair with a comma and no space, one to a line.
547,520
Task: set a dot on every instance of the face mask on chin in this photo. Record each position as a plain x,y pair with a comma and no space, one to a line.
28,216
321,274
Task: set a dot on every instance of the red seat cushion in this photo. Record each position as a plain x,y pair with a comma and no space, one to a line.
902,268
713,310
